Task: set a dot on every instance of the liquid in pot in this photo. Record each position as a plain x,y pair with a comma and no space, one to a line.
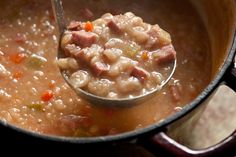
34,96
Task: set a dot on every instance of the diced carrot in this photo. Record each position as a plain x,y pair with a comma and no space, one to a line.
88,26
145,55
47,95
17,58
17,75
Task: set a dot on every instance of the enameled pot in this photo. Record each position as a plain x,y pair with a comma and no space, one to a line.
220,20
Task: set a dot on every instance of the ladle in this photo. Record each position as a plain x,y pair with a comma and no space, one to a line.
94,99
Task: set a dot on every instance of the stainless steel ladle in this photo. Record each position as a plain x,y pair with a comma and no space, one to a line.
94,99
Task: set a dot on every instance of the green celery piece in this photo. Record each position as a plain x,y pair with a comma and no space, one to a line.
132,49
36,61
37,107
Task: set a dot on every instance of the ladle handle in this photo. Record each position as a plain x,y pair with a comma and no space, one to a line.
230,77
59,14
225,148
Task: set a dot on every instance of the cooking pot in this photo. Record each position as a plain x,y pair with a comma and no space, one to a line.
220,20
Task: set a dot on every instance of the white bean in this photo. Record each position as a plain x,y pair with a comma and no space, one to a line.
79,79
100,87
67,63
130,84
112,54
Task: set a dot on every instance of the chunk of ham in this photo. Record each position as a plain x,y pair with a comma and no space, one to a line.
84,39
99,68
114,27
165,55
89,56
72,50
74,26
140,74
76,52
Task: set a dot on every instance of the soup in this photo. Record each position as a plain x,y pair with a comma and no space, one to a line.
34,96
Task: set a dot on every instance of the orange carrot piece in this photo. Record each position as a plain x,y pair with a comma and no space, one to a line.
89,26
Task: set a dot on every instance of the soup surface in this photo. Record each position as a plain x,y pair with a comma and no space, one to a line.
34,96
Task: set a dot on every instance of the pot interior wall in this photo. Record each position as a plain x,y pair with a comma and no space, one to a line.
219,17
220,20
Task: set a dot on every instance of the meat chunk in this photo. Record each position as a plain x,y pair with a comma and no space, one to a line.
72,50
74,26
89,54
140,74
165,55
84,55
83,39
99,68
114,27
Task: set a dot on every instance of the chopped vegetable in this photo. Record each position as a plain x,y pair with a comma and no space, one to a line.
131,49
47,95
145,55
17,75
18,58
36,61
89,26
37,107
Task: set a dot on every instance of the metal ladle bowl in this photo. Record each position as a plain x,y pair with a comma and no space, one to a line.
94,99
